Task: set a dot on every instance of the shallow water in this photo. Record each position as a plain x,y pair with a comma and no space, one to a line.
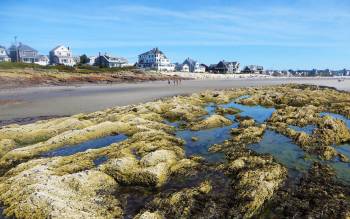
92,144
259,113
337,116
206,138
344,149
100,160
283,150
281,147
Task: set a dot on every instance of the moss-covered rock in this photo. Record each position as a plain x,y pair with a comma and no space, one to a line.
213,121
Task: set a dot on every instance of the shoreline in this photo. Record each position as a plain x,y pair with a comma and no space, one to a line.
48,101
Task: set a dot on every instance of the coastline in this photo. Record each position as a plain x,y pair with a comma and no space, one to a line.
46,101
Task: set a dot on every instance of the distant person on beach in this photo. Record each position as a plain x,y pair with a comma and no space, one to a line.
168,81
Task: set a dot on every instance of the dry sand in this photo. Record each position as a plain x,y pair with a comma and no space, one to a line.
68,100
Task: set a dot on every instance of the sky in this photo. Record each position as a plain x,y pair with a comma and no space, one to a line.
278,34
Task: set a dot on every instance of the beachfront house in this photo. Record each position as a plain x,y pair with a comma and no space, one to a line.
109,61
22,53
224,67
92,60
61,55
155,60
42,60
194,66
26,54
3,55
182,67
253,69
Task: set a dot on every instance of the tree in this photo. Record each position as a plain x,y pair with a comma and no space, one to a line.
84,59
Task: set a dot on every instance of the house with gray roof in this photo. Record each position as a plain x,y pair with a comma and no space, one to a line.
3,55
109,61
182,67
194,66
26,54
253,69
155,59
23,53
224,67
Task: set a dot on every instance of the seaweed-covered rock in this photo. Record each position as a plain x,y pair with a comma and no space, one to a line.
316,195
149,215
41,130
247,123
66,138
213,121
184,203
229,110
331,131
32,190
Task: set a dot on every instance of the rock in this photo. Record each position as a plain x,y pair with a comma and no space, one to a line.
184,203
213,121
6,145
247,123
343,158
256,181
316,195
36,192
229,110
149,215
42,130
194,139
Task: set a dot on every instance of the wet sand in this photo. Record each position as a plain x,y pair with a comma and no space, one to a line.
67,100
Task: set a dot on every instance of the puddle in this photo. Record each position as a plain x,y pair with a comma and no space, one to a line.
259,113
344,149
100,160
283,150
308,129
281,147
92,144
337,116
206,138
342,170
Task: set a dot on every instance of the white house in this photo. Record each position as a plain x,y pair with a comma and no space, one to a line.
92,60
3,55
42,60
155,60
109,61
61,55
194,66
182,68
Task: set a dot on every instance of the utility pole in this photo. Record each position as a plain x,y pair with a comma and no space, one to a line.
16,46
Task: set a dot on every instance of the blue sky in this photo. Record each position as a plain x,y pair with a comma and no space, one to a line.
274,33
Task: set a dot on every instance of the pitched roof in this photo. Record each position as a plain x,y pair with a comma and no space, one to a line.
2,47
58,47
22,47
110,58
153,51
190,61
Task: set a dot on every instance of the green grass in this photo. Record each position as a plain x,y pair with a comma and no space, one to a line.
62,68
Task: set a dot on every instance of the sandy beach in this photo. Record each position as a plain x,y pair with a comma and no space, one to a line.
68,100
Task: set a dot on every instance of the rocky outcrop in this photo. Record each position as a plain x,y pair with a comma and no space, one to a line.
213,121
33,190
317,195
256,181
